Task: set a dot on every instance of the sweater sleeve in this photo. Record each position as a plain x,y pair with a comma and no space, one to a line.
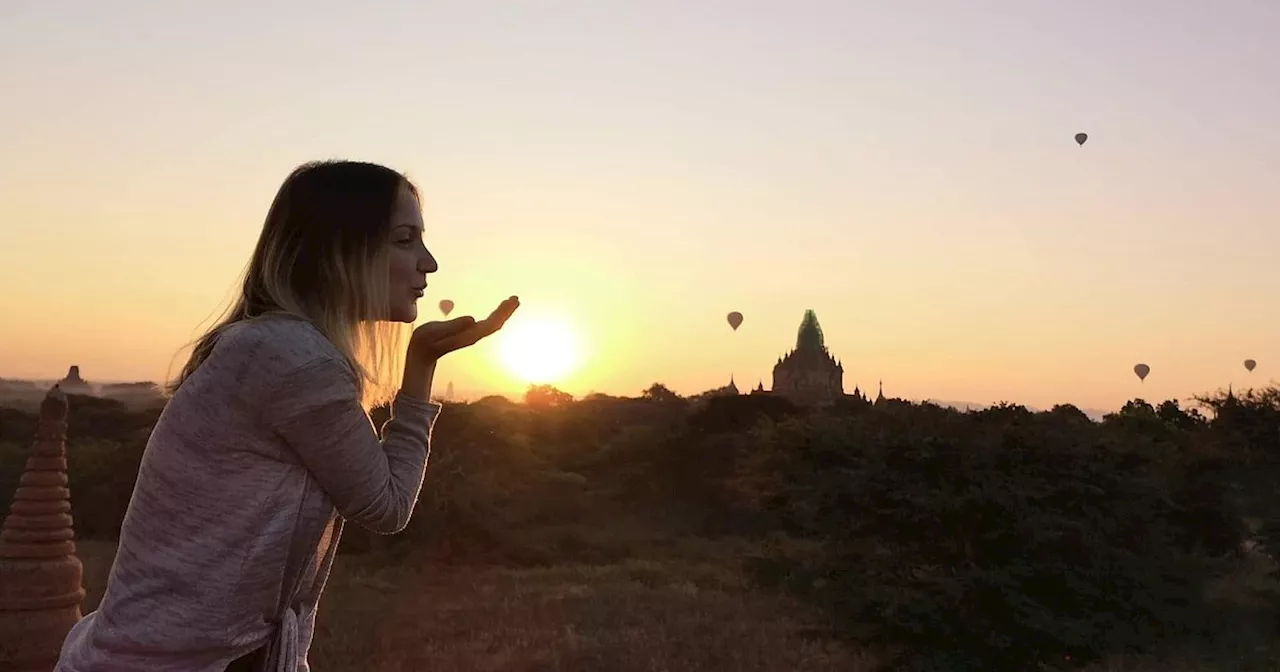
374,483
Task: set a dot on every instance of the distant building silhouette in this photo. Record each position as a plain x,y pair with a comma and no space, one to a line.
728,390
73,383
701,399
809,374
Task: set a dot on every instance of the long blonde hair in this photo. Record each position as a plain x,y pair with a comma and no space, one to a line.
322,257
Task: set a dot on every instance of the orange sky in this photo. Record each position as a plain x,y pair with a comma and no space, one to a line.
638,170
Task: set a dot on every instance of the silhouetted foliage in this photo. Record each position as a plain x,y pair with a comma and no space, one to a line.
661,394
546,396
997,547
739,412
995,539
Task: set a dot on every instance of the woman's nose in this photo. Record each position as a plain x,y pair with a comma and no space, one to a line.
428,264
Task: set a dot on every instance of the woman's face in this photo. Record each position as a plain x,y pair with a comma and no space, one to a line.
410,261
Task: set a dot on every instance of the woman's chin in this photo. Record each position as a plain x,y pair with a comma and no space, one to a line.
407,314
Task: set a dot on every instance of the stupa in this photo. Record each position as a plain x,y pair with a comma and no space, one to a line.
41,579
73,383
809,374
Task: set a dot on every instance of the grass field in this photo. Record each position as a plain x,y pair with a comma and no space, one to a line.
682,612
631,616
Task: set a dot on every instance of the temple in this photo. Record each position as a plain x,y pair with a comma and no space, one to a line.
41,584
74,384
727,391
809,374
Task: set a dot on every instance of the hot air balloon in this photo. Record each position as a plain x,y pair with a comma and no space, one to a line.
446,307
735,320
1142,370
1249,364
1081,137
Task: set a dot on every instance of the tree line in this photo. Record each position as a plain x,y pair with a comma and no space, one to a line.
993,539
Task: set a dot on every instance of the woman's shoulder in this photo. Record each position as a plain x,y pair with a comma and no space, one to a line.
277,344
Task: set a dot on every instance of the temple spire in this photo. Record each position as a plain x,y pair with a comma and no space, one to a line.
809,337
41,585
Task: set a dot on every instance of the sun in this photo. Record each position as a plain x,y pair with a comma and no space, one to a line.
540,349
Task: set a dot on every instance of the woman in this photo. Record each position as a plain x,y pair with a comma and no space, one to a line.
266,446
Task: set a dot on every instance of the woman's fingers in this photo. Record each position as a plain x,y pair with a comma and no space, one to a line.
498,317
503,312
486,327
462,339
461,332
459,324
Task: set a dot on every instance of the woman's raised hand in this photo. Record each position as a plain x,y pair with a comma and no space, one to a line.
434,340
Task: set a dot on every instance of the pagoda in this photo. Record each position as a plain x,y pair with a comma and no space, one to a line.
41,585
73,383
809,374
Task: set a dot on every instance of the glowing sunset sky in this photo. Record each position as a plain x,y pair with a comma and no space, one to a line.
639,169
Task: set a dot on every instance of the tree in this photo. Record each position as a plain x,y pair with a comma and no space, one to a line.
1069,413
996,542
1172,413
1137,408
546,396
660,393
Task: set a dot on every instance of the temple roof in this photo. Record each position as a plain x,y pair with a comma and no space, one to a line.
809,336
811,350
808,359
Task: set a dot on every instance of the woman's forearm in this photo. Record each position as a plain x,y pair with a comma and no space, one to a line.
419,373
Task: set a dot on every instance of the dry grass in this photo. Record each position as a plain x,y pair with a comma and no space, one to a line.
631,616
686,611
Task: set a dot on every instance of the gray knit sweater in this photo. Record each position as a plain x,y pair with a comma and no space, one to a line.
239,505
